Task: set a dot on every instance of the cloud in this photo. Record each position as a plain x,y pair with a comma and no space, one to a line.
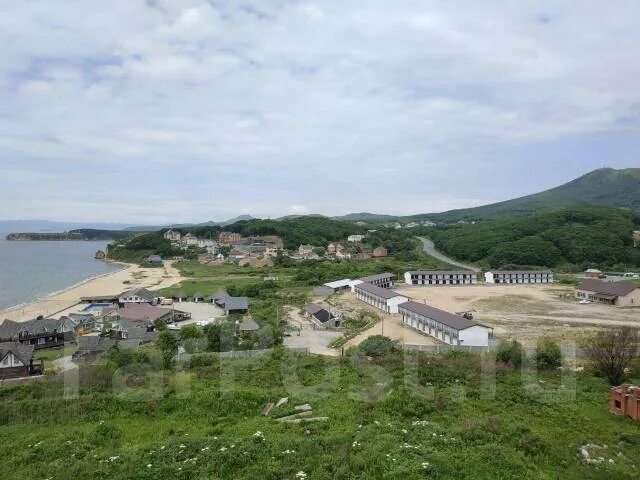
281,104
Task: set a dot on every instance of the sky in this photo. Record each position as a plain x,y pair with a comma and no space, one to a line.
174,111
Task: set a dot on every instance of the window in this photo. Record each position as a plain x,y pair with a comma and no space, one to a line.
618,404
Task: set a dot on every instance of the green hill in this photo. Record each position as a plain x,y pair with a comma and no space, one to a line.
580,237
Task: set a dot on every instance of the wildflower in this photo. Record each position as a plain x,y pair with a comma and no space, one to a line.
301,475
425,464
404,431
149,465
355,444
258,435
223,449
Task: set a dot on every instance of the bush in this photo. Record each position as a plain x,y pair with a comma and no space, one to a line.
510,353
377,346
548,354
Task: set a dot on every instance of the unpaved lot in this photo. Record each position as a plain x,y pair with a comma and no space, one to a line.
526,312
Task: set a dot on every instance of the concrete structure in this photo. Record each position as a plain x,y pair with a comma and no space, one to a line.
619,294
384,280
518,276
444,326
355,238
625,400
592,273
172,235
381,298
339,285
440,277
379,252
305,251
322,317
227,238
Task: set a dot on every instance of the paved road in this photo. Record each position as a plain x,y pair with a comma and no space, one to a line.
430,249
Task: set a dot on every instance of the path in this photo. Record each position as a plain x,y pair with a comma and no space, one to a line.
430,249
63,364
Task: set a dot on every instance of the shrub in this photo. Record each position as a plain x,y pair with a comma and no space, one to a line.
377,346
510,353
548,354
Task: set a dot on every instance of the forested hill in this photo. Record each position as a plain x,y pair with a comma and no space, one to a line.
80,234
576,238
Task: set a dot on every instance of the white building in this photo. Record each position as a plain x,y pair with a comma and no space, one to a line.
444,326
172,235
440,277
381,298
355,238
384,280
519,276
190,239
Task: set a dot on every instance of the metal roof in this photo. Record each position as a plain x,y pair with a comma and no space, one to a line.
449,319
379,276
378,291
618,289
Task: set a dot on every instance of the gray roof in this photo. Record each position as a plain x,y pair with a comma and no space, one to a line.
379,276
95,343
9,330
616,289
180,294
442,272
502,272
377,291
140,292
456,322
236,303
198,295
312,308
248,324
24,353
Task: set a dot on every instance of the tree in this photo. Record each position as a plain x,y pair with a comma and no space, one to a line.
168,345
377,346
612,351
190,331
510,353
548,354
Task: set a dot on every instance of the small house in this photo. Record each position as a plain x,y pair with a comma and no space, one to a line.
16,361
137,295
322,317
248,324
592,273
154,259
379,252
625,400
620,294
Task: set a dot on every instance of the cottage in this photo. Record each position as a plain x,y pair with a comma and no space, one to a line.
625,400
322,317
41,332
592,273
172,235
440,277
447,327
381,298
384,280
137,295
248,324
619,294
231,304
379,252
16,360
518,276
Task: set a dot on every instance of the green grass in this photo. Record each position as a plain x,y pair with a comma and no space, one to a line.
437,422
51,354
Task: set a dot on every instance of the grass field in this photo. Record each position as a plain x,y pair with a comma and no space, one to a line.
409,417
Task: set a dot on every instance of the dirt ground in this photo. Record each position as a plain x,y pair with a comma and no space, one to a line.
526,312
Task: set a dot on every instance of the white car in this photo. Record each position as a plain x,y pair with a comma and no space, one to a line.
202,323
585,302
173,326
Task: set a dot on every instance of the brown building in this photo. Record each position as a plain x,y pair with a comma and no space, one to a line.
227,238
380,252
619,294
625,400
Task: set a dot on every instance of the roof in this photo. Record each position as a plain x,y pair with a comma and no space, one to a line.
248,324
142,311
378,291
323,315
379,276
338,283
441,272
456,322
618,289
140,292
236,303
198,295
9,329
312,308
501,272
593,270
95,343
180,294
24,353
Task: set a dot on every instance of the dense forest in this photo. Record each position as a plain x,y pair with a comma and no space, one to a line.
573,238
80,234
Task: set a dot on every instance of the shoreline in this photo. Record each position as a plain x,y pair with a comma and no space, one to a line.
127,277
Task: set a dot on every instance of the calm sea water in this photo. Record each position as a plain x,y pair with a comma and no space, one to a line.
32,270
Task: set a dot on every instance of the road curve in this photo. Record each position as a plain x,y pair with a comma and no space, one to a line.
430,249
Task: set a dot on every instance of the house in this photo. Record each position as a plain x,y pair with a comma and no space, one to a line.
619,294
447,327
343,255
384,280
172,235
227,238
518,276
440,277
338,285
592,273
154,259
305,251
40,332
16,361
331,249
322,317
144,312
137,295
355,238
379,252
273,241
248,324
625,400
181,296
381,298
198,297
231,304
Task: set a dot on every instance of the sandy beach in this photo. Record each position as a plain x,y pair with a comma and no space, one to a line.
112,283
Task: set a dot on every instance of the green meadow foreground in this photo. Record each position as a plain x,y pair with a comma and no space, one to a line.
402,415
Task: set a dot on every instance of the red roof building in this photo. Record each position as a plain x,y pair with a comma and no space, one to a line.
625,400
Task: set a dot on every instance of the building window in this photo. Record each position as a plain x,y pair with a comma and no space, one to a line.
618,404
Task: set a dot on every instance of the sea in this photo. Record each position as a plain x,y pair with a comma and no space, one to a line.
31,270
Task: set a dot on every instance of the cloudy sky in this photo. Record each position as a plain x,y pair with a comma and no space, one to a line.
191,110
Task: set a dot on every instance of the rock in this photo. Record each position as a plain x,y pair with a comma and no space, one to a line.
306,420
303,408
282,401
266,409
295,416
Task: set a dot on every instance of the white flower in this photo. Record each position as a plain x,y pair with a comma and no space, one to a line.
301,475
149,465
223,449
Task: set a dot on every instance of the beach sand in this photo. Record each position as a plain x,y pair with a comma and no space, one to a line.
110,284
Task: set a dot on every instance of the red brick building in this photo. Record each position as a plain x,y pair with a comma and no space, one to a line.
227,238
380,252
625,400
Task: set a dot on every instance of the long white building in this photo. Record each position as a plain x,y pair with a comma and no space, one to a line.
440,277
381,298
444,326
519,276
